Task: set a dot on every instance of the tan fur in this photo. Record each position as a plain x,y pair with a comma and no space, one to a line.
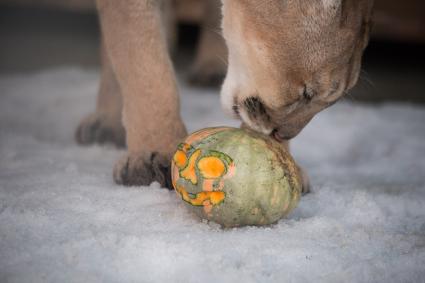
135,41
289,60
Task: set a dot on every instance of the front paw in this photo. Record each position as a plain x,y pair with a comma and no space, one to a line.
101,129
143,169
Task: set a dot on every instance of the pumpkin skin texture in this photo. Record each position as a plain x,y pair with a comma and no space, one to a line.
235,177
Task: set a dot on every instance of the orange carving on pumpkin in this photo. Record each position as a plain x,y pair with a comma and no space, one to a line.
200,198
189,172
213,168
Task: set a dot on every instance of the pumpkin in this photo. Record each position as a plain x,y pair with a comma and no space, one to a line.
235,177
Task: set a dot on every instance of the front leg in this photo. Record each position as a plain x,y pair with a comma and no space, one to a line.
135,40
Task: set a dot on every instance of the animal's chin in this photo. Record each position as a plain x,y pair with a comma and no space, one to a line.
274,134
278,136
283,136
255,128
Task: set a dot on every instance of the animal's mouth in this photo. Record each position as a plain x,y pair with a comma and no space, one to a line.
278,136
247,123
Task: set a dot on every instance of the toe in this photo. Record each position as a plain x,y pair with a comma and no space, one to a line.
98,129
142,170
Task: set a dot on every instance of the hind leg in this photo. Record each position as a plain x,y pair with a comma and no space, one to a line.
104,125
210,64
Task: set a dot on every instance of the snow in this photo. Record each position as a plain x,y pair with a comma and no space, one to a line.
62,219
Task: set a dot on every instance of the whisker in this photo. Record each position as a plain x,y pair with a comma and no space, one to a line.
364,76
219,32
347,95
223,60
214,30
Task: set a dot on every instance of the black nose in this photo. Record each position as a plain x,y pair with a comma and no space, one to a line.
255,108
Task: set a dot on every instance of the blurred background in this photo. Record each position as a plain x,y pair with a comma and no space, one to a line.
62,217
40,34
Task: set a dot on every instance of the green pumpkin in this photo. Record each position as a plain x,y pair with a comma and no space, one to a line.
235,177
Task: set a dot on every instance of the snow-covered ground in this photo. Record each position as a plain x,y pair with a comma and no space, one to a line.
62,219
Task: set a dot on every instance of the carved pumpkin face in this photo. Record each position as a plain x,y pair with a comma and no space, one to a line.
194,167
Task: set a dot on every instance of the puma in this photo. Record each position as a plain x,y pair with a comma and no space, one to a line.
287,60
